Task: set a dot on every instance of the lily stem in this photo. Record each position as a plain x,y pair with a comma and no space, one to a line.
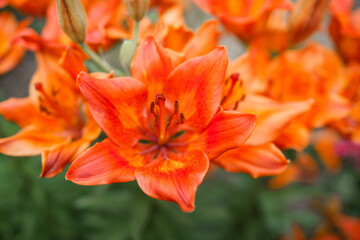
136,31
100,61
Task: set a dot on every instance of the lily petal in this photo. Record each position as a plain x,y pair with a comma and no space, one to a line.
197,85
104,163
30,141
115,104
227,130
258,161
296,135
14,109
272,116
204,41
73,61
151,65
332,107
11,59
54,161
175,179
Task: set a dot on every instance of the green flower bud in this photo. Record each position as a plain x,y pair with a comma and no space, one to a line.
72,19
137,8
127,52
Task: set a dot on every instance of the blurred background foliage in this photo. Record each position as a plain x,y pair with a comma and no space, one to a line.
228,206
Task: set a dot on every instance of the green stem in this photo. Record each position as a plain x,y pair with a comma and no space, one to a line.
101,62
136,31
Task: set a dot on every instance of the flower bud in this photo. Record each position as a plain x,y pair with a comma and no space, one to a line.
137,8
72,19
306,17
127,52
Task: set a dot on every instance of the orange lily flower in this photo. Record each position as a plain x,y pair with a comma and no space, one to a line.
313,72
54,120
276,24
163,5
337,226
248,76
181,42
305,168
346,227
163,125
107,23
253,67
258,156
344,29
350,126
36,8
325,143
244,18
10,54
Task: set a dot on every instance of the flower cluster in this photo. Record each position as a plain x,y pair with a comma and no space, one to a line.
175,107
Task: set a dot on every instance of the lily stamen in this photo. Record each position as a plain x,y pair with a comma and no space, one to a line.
149,150
160,117
234,79
177,144
49,101
163,151
165,128
149,135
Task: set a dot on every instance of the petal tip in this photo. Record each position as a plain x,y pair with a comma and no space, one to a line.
81,76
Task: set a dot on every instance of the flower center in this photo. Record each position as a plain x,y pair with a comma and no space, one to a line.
164,127
50,107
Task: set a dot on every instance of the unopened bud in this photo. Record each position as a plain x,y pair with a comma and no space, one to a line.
306,17
127,52
72,19
137,8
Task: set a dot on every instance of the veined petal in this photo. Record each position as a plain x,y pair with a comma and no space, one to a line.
227,130
177,37
151,65
258,161
175,179
91,129
54,161
272,116
252,67
73,61
30,141
105,163
57,83
204,41
116,104
295,135
11,59
19,110
197,85
330,108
